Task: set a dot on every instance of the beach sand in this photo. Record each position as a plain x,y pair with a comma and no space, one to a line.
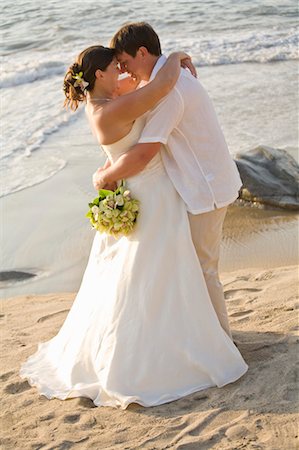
256,412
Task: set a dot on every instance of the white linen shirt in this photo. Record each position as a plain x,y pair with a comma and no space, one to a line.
195,154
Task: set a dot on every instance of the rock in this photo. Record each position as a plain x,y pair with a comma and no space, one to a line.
270,176
15,275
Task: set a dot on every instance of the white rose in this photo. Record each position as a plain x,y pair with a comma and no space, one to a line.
95,209
119,200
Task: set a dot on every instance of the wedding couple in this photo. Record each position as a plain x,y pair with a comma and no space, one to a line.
149,323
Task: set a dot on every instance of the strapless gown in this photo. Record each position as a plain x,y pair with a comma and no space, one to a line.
142,327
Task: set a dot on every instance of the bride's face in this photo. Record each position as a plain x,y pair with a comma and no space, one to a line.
109,77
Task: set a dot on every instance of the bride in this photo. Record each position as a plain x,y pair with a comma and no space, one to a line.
142,327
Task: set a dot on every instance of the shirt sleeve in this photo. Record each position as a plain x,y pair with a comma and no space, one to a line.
162,119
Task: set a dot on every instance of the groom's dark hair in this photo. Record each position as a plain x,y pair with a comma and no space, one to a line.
130,37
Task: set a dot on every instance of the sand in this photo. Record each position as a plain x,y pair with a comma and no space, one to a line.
256,412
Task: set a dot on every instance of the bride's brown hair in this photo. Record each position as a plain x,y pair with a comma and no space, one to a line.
88,62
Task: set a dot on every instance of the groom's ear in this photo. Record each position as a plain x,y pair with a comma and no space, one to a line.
143,51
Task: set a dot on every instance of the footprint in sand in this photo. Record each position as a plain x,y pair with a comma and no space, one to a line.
184,404
49,416
262,276
242,314
237,302
236,432
17,388
292,377
5,376
89,423
73,418
242,278
290,394
38,446
65,445
292,308
27,403
49,316
233,293
200,397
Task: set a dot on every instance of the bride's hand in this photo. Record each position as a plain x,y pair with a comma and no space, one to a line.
97,179
186,62
98,182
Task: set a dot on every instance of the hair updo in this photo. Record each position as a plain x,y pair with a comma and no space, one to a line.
88,62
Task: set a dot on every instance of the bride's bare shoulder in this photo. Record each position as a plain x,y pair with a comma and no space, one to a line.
103,124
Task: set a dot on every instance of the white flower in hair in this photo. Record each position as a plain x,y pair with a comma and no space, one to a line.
80,82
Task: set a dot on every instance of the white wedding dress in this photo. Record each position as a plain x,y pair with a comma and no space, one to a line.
142,327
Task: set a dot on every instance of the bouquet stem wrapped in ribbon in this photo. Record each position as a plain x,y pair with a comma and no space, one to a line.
114,212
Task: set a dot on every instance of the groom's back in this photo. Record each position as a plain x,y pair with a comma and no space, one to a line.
198,138
196,156
200,121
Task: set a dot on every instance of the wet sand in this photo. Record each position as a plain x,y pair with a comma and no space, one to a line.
258,237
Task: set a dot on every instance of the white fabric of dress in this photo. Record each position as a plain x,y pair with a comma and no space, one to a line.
142,327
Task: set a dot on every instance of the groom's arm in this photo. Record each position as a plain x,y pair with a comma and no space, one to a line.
127,165
162,120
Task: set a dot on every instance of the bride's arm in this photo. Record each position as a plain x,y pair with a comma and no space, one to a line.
127,108
126,84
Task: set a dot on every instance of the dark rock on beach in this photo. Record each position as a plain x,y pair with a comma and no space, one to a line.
15,275
270,176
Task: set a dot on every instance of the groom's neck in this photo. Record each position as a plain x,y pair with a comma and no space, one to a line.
149,65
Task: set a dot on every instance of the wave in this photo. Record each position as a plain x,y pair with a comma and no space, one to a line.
16,180
261,47
28,73
251,47
24,147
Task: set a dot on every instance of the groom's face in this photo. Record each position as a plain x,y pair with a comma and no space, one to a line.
131,64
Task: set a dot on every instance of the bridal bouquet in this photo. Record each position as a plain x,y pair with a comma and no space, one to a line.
113,212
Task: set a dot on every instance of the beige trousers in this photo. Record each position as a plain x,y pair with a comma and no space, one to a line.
206,230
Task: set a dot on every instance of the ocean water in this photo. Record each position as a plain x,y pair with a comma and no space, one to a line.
246,53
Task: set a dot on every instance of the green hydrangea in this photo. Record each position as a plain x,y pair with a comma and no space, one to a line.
114,212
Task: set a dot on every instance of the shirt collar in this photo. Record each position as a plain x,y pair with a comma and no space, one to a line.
160,62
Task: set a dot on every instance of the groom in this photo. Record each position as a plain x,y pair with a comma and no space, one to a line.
194,151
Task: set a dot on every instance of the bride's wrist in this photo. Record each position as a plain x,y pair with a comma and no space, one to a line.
180,56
